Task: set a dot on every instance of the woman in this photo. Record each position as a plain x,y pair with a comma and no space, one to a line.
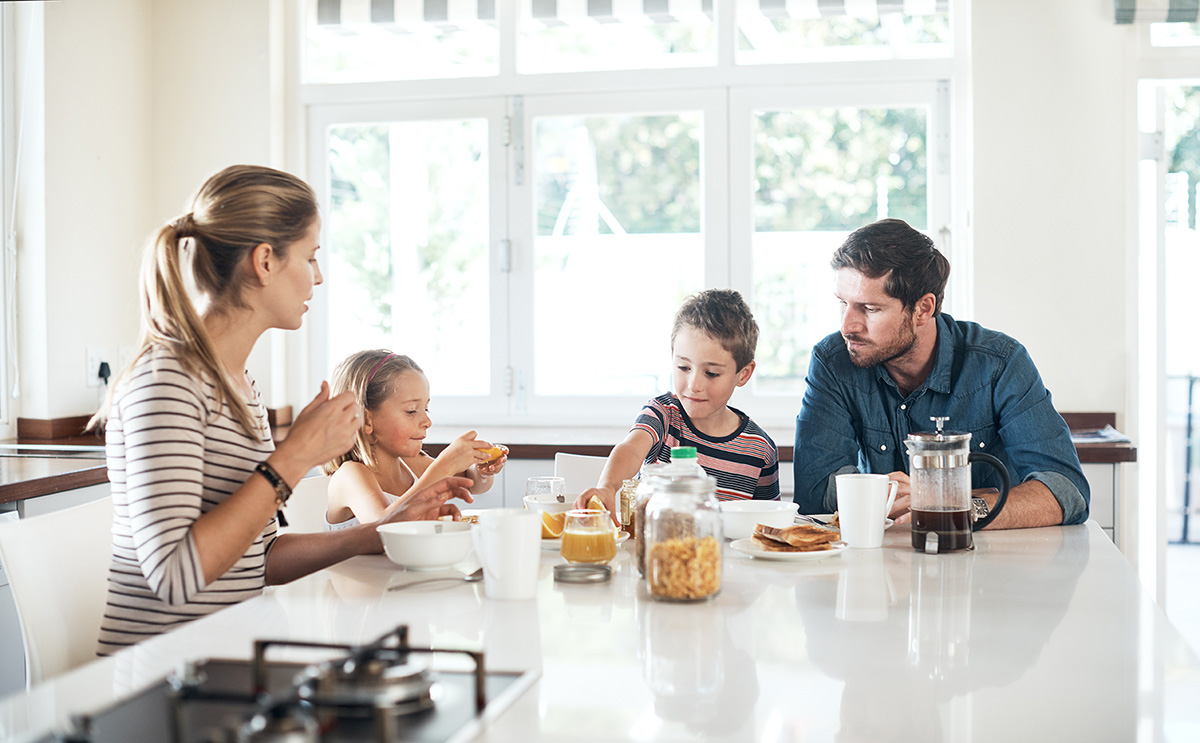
196,478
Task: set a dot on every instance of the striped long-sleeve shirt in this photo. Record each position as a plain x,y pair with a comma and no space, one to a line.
172,456
745,463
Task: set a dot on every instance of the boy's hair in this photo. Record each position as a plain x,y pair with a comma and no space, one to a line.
371,376
913,265
721,314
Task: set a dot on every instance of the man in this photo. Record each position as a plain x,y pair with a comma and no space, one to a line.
898,360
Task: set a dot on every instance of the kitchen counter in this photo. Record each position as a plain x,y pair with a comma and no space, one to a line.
1038,634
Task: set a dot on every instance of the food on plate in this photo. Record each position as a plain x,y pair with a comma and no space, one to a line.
470,519
493,453
798,538
552,524
834,521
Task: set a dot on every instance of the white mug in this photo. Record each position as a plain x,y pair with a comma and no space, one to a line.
508,542
864,501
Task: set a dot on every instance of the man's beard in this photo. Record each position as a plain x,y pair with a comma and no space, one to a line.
873,355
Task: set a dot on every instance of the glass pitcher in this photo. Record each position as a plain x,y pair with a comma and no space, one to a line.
940,472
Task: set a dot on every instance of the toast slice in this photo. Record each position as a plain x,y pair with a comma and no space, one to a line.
802,536
770,545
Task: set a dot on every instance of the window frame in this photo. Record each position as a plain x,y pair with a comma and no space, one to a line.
726,89
494,111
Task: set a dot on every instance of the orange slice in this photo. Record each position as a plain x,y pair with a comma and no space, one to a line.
493,453
552,524
595,503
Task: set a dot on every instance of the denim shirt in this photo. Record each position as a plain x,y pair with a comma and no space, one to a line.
856,420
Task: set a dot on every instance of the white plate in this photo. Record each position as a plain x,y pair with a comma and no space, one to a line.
556,544
748,547
827,517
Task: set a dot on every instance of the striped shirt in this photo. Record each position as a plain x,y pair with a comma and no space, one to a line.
172,456
745,463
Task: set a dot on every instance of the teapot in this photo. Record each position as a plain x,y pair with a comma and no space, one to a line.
942,514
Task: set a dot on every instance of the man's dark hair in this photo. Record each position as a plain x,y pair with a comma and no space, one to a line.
723,315
913,266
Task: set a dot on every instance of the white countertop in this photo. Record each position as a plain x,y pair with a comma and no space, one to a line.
1039,634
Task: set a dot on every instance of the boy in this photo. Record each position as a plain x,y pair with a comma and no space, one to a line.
712,344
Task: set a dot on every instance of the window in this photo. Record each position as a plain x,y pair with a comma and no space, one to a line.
527,231
8,289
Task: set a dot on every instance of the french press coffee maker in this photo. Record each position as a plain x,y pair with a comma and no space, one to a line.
942,513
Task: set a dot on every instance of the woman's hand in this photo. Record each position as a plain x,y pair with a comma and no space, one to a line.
324,429
429,502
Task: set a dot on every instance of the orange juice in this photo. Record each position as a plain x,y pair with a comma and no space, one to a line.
589,545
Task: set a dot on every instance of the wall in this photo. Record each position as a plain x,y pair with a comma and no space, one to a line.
140,101
1049,215
85,185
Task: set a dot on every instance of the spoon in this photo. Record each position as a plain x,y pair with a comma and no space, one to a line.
470,578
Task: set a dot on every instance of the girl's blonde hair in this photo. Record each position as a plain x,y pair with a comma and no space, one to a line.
235,210
372,377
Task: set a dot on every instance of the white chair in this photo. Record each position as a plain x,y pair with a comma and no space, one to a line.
57,566
579,471
305,510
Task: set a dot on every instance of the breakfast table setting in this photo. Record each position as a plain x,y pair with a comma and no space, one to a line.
1034,634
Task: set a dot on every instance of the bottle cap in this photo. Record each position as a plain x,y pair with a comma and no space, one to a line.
683,452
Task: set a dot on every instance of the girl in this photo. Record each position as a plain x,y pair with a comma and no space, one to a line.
386,463
196,478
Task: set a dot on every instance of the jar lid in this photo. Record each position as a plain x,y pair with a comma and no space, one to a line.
582,573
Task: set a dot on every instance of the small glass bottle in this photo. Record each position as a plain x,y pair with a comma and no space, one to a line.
625,500
683,461
683,539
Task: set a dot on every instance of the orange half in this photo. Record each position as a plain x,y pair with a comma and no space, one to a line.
552,524
493,453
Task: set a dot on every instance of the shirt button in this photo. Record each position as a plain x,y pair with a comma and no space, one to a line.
980,444
883,447
904,407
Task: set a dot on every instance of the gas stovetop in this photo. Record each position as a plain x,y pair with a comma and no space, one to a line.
383,691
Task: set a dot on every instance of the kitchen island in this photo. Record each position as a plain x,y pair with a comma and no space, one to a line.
1038,634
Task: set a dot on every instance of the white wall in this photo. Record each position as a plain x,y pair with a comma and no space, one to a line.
144,98
84,187
1049,184
140,101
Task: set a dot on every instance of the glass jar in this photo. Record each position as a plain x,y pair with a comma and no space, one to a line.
641,497
683,539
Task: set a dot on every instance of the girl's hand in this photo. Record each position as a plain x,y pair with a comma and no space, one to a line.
429,502
489,469
324,429
463,452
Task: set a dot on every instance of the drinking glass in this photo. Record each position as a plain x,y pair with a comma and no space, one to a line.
589,536
545,489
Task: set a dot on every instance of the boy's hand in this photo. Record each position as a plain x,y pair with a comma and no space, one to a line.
606,496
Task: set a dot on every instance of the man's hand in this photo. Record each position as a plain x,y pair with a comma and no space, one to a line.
901,507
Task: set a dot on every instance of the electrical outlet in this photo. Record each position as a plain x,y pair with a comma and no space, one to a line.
96,356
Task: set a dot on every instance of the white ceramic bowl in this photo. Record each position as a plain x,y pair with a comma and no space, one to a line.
546,502
738,517
426,545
